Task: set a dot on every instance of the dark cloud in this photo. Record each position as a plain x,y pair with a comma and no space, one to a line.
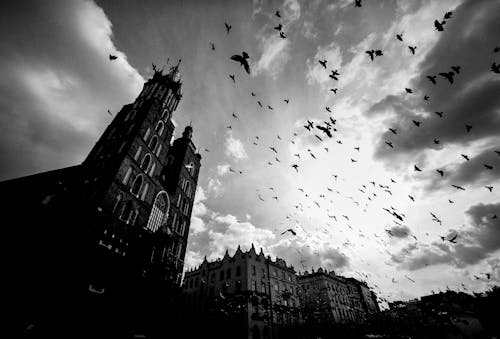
400,231
57,83
473,99
474,244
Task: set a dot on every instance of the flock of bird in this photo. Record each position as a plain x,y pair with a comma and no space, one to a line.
323,130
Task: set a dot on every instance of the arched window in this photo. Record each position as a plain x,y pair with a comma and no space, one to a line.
152,169
138,153
117,205
146,135
158,150
144,191
145,162
159,128
159,212
185,206
188,188
136,186
153,143
127,175
127,211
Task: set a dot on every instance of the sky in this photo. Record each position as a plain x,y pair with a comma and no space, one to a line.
57,85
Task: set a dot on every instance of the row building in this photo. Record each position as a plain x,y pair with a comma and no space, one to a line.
249,295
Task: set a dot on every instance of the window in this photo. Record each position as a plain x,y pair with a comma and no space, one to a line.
221,275
145,162
190,168
144,191
276,287
152,170
228,273
159,128
153,143
117,205
188,188
275,273
253,270
238,271
263,288
127,211
174,221
138,153
185,206
136,186
146,135
158,150
127,175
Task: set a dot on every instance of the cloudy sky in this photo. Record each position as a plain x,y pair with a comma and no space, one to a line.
57,84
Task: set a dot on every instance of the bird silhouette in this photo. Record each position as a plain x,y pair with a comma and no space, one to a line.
389,144
109,112
393,130
399,36
371,54
277,14
408,90
448,76
282,35
452,240
495,68
436,141
439,26
235,116
213,46
259,103
412,49
269,107
432,78
488,166
232,77
468,127
496,49
426,97
458,187
411,198
416,168
466,157
328,109
323,63
273,149
334,75
296,167
112,57
228,27
242,59
416,123
279,27
439,114
447,15
456,69
490,188
334,90
357,3
286,100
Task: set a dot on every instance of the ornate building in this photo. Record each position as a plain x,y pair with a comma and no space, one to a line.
328,298
106,239
249,294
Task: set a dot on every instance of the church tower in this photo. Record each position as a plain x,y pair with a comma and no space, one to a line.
139,190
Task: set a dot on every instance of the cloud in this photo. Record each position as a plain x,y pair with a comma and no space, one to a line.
474,243
197,224
400,231
235,148
57,84
473,90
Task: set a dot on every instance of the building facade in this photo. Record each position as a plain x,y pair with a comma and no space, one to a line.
110,233
327,298
256,296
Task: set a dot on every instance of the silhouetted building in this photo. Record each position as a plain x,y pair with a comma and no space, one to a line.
247,295
327,298
103,243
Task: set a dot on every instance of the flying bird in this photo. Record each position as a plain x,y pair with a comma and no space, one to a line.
232,77
412,49
439,26
416,168
417,123
282,35
439,114
323,63
448,76
399,36
213,46
447,15
389,144
495,68
432,78
393,130
357,3
468,128
456,69
458,187
490,188
228,27
408,90
112,57
279,27
334,90
242,59
235,116
466,157
441,172
296,167
277,14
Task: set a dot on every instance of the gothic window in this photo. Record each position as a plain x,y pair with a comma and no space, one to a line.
221,275
138,153
188,189
254,285
174,221
127,211
136,186
179,251
146,135
118,201
182,228
144,191
127,175
145,162
238,271
228,273
190,168
153,143
159,128
152,169
158,150
185,206
263,288
122,146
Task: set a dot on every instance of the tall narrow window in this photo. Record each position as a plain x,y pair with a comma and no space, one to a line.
159,128
127,211
136,187
122,147
138,153
144,191
158,150
152,170
146,135
117,205
127,175
145,162
153,143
